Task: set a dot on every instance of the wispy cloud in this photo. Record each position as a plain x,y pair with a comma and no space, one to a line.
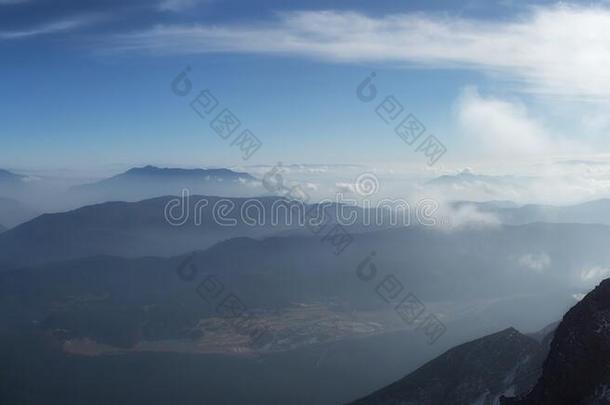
64,25
558,50
180,5
536,262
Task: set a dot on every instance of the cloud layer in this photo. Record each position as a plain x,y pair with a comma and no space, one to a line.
559,50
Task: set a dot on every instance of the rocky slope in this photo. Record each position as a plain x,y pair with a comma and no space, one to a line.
477,372
577,369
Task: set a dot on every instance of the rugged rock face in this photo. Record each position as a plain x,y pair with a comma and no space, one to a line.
577,369
477,372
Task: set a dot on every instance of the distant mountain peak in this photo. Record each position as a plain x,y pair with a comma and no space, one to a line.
5,174
151,170
140,183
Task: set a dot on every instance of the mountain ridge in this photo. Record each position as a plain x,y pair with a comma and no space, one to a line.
478,371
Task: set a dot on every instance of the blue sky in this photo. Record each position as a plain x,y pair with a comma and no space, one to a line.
87,84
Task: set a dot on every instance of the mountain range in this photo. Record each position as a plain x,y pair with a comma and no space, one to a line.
150,181
119,302
529,260
144,228
116,228
121,278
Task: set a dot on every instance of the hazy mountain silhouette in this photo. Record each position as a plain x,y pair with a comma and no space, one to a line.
597,212
122,229
276,271
11,184
150,181
7,177
134,229
13,212
444,265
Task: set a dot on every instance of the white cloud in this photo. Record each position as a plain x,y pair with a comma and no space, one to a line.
537,262
49,28
594,274
503,128
311,186
450,218
559,50
343,187
542,183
